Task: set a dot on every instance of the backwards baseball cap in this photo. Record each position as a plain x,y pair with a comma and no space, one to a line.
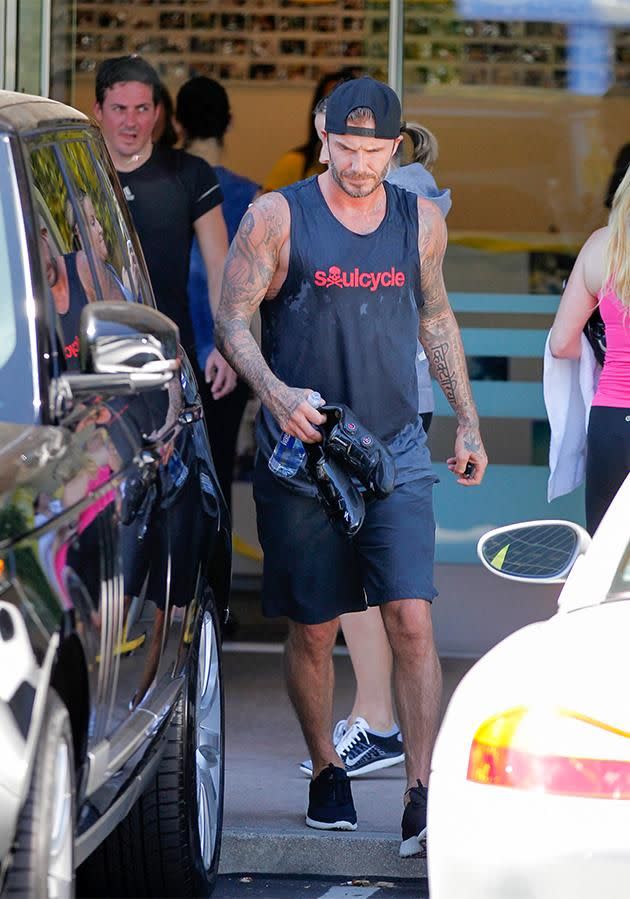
366,93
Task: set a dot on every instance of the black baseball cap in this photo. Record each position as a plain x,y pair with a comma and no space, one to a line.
368,93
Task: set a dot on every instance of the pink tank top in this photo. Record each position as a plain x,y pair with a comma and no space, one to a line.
614,384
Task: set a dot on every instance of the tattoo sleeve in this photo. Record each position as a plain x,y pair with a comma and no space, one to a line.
250,265
439,332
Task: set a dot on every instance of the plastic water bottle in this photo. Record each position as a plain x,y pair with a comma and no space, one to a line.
289,453
177,470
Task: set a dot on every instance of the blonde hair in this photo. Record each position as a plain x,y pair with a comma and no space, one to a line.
618,249
424,144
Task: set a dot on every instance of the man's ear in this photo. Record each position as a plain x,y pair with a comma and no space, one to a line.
397,143
98,112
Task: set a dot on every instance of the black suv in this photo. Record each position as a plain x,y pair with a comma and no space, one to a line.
115,545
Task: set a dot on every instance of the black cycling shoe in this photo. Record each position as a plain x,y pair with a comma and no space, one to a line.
330,805
414,823
360,452
341,500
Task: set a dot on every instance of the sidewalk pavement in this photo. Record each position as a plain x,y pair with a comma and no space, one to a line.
266,795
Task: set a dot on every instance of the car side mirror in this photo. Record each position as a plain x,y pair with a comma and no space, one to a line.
124,348
540,551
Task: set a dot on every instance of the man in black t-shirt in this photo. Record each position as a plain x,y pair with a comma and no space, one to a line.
172,196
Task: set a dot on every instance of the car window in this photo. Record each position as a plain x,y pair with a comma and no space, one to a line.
73,275
131,257
93,227
18,389
8,330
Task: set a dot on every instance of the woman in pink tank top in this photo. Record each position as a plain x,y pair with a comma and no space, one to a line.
601,276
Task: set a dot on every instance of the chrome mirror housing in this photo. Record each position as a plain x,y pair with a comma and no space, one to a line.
124,348
122,338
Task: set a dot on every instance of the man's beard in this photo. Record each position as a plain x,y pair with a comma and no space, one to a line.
372,183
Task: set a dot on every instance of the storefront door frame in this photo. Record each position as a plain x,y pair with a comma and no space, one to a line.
10,41
396,46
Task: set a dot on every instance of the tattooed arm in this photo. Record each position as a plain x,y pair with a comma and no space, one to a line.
253,260
440,337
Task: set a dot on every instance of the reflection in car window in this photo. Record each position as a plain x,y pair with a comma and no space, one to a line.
70,271
90,221
102,221
130,246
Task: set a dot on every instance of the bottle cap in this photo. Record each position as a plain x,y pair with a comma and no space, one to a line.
314,398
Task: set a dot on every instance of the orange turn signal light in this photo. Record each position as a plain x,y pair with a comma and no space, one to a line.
500,755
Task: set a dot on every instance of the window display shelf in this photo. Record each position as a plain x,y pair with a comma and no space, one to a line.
258,40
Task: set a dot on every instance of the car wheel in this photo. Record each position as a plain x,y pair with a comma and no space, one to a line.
43,858
169,843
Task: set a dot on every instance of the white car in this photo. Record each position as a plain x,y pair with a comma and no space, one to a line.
529,795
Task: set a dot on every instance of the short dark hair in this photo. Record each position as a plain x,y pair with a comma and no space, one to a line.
203,109
126,68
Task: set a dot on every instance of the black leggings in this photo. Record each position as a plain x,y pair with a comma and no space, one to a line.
607,459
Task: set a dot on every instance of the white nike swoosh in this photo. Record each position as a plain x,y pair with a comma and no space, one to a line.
208,192
351,763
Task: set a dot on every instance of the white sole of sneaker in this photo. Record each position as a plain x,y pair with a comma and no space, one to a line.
366,769
376,766
414,846
324,825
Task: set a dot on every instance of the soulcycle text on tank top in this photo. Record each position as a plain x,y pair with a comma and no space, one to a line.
345,322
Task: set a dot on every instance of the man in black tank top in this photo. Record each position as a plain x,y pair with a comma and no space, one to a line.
347,272
71,287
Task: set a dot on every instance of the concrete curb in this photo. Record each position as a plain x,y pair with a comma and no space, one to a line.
260,851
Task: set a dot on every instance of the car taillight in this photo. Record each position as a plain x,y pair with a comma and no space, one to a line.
552,750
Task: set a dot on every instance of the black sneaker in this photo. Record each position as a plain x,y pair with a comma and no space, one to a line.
363,751
414,823
330,805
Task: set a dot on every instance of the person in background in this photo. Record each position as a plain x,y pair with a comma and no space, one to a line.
164,132
369,738
172,197
303,161
622,161
601,277
113,287
203,116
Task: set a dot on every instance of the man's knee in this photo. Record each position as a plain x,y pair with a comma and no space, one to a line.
408,623
312,639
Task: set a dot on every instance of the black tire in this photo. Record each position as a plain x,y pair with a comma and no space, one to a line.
156,850
28,874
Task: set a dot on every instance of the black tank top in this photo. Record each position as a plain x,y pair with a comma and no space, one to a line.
345,321
70,320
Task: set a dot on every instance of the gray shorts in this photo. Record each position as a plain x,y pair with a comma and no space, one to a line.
313,574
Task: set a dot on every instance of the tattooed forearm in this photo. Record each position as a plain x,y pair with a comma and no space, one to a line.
443,375
239,347
249,269
439,333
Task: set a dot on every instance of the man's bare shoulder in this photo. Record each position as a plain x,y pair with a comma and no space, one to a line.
429,212
432,233
268,215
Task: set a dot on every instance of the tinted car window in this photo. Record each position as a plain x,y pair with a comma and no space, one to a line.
74,276
130,252
95,222
17,315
